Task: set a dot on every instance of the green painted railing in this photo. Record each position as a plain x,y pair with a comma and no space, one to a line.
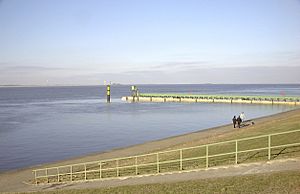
263,147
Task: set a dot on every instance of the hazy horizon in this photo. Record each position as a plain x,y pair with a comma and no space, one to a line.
207,76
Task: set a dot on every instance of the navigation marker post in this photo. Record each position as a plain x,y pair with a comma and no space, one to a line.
135,93
108,93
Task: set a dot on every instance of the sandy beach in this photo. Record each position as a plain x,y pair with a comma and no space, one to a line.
15,181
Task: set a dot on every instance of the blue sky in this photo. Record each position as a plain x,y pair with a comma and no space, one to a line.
205,41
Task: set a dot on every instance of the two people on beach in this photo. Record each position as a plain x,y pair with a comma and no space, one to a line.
238,120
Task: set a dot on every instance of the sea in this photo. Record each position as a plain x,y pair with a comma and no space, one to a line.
46,124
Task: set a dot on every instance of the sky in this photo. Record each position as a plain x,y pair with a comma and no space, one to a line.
61,42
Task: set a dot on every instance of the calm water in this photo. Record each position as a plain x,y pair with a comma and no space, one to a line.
44,124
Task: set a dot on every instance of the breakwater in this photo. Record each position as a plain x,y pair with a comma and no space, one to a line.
198,98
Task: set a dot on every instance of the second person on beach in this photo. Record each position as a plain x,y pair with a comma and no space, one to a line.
234,121
239,121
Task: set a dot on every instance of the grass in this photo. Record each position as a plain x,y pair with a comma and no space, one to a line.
275,183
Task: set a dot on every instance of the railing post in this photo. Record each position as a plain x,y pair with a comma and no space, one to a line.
180,159
36,182
46,172
206,156
117,161
84,171
57,174
71,173
269,147
157,162
100,170
136,167
236,151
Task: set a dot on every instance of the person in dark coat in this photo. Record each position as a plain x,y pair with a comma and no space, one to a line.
239,120
234,121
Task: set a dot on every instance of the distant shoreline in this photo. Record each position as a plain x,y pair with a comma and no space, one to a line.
128,84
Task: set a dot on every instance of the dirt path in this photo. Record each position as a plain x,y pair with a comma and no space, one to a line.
14,180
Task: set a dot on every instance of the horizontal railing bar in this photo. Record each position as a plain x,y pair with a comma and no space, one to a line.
194,158
81,172
286,145
168,151
223,154
45,176
129,166
285,132
51,175
92,171
48,176
106,169
148,164
252,150
65,166
144,155
169,161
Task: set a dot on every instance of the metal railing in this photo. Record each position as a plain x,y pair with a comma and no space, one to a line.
184,159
